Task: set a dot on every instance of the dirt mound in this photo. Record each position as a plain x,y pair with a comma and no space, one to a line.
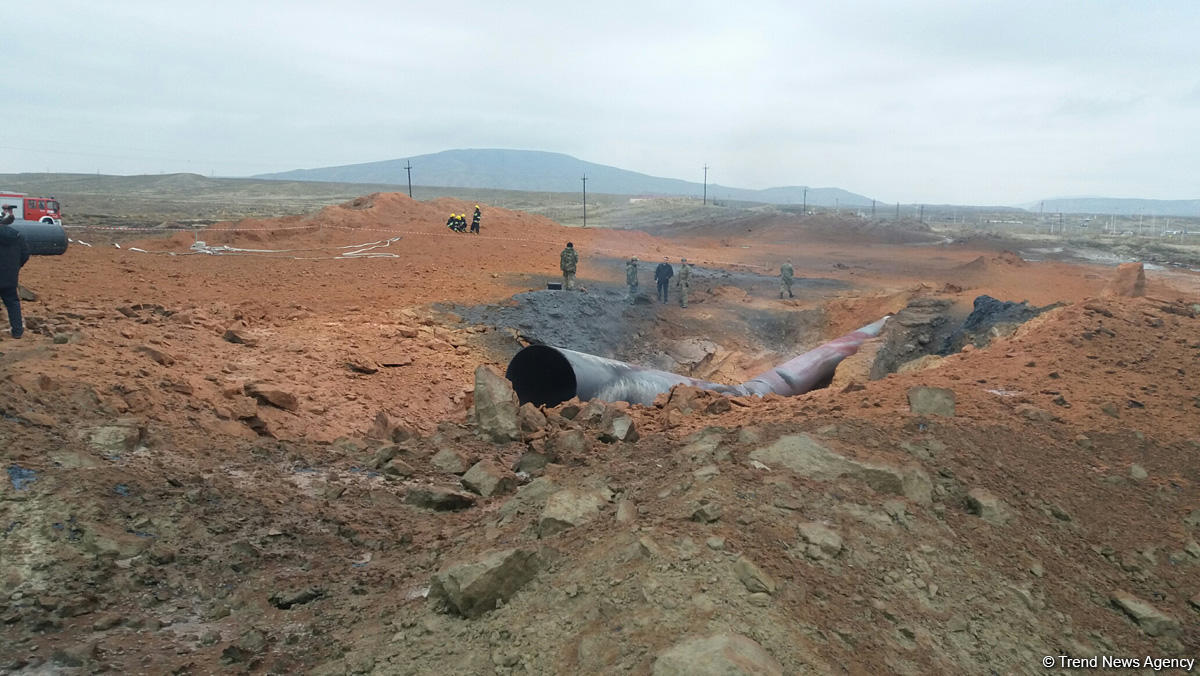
1129,281
982,264
990,318
785,227
766,518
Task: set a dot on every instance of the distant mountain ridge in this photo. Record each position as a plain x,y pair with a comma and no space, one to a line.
538,171
1118,206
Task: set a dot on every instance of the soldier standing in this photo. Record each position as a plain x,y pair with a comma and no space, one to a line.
631,278
662,276
684,281
567,262
786,272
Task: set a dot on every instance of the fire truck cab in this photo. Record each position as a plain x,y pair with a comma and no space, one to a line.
40,209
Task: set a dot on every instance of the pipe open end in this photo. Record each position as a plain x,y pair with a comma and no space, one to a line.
542,376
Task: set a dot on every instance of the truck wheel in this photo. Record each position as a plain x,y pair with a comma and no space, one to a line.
47,220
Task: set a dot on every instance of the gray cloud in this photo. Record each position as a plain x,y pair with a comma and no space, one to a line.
922,101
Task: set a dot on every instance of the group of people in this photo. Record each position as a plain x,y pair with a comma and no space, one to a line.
458,222
14,253
663,273
569,261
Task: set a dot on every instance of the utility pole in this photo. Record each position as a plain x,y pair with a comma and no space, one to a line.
584,179
705,185
872,209
921,214
408,168
897,211
806,201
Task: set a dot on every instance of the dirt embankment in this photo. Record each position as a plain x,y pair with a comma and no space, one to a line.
267,464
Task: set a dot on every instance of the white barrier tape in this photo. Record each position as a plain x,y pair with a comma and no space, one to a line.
391,231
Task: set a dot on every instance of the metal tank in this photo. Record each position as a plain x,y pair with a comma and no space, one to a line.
44,239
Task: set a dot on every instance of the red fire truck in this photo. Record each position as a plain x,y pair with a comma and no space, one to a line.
41,209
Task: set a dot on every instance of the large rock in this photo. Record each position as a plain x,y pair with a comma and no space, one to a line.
529,498
487,479
724,654
568,509
157,355
857,367
988,507
532,463
495,407
274,395
119,437
472,588
530,419
1152,620
686,399
239,336
1129,282
617,426
753,577
438,498
809,458
451,460
803,455
821,542
591,413
931,401
568,443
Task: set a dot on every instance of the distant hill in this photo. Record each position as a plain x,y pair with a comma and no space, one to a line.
1118,206
550,172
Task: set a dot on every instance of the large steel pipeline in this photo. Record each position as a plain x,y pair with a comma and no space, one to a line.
44,239
544,375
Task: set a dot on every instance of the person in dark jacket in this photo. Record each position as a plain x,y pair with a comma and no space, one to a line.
14,252
662,275
475,220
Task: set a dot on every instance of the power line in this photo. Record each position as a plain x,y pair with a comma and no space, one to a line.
584,179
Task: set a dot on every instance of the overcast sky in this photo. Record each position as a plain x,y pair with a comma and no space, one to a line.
912,101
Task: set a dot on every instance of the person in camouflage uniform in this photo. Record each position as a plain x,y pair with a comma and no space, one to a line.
631,278
567,262
786,272
683,281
